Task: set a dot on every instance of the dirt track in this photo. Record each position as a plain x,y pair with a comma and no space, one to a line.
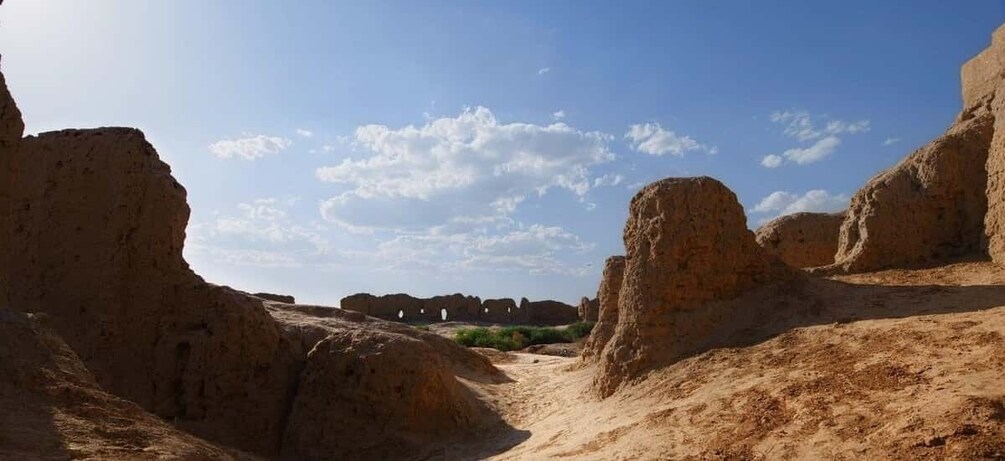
896,364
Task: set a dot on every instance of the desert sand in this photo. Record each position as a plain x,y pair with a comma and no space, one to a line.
904,364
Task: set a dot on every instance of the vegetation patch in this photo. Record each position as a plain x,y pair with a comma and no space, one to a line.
518,337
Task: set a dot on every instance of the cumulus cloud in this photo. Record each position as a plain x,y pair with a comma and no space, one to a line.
259,233
890,141
249,147
801,126
543,70
608,180
558,115
780,203
466,166
536,249
305,133
445,195
652,139
814,153
772,161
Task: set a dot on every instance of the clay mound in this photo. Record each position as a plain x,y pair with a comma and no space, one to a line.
944,200
389,389
802,239
11,130
54,409
97,245
687,246
926,210
359,381
276,298
877,366
310,325
97,242
983,80
589,309
607,319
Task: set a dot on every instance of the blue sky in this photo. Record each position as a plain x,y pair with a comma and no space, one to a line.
488,148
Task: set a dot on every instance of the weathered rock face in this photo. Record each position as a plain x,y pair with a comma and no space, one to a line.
927,209
982,75
358,381
802,239
97,226
11,130
97,244
53,407
589,309
687,246
276,298
607,319
984,85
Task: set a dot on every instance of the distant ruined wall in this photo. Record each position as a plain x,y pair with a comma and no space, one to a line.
404,308
549,312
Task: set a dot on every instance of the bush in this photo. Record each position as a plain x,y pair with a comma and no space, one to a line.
518,337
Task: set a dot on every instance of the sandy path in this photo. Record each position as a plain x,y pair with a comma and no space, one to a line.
900,365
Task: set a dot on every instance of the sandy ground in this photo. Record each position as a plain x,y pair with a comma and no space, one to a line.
891,365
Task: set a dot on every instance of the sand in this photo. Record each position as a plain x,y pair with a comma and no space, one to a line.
895,365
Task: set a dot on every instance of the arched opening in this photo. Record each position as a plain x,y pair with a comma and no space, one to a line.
486,310
422,311
509,310
401,314
443,315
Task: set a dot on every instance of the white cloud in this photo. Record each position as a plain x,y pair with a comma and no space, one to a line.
890,141
800,125
535,249
781,203
249,147
305,133
558,115
443,196
840,126
797,124
772,161
608,180
543,70
652,139
814,153
261,232
470,165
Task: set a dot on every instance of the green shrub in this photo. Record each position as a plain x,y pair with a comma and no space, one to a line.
580,329
518,337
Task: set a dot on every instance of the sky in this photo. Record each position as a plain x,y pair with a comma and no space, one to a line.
486,148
